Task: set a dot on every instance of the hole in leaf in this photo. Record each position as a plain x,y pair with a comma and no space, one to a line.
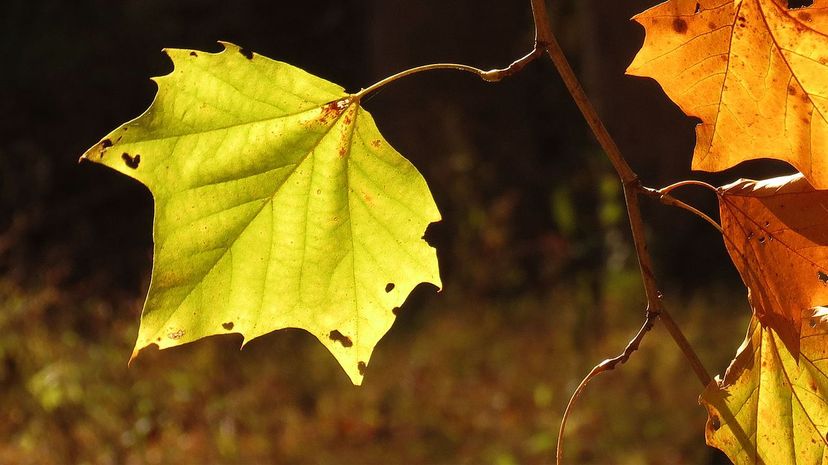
335,335
822,277
395,311
698,8
130,161
106,143
715,423
247,53
389,287
762,240
436,234
228,326
812,322
799,3
193,54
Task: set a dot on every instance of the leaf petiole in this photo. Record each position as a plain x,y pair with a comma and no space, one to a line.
492,75
689,182
663,196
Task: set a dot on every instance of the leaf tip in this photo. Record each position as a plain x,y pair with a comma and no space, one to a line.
132,357
98,149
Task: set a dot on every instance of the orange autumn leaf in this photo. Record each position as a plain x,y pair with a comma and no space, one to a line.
753,71
776,232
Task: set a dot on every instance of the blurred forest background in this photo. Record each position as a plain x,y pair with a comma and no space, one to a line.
540,279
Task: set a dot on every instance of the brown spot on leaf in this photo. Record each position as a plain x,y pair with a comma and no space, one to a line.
176,334
193,54
715,423
332,110
346,341
228,326
131,161
822,277
389,287
803,16
106,143
396,311
680,25
376,143
247,53
361,367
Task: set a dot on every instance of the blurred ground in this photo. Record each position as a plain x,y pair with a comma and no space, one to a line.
455,381
540,281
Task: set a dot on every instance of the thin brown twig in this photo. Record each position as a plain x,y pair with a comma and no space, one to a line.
688,182
492,75
667,199
543,27
556,54
603,367
632,188
546,43
663,196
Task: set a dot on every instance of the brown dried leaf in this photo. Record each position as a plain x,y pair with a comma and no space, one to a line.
776,232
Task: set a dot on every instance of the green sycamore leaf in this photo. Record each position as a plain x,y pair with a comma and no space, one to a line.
278,204
772,408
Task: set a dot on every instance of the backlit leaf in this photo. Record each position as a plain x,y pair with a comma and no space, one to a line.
277,204
776,232
771,407
753,71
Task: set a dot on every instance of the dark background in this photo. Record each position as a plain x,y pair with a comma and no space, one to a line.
540,279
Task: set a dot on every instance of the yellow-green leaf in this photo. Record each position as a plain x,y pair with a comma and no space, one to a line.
771,408
278,204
